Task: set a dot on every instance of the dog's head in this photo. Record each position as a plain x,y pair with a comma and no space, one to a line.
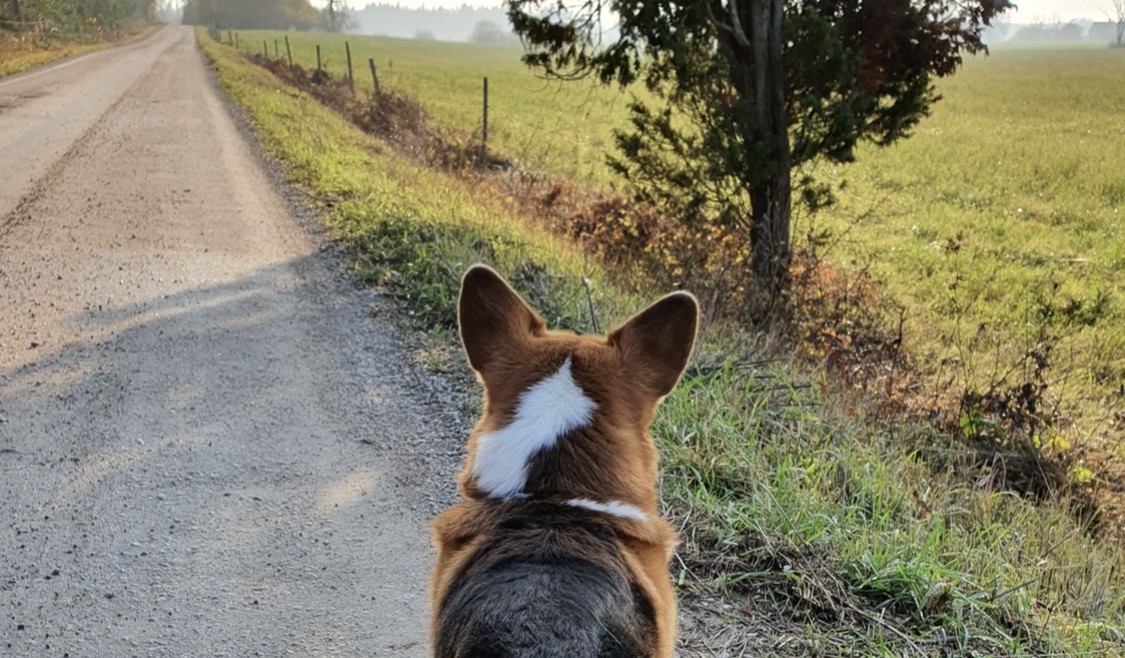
566,416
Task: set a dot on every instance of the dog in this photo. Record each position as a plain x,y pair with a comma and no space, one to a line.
557,547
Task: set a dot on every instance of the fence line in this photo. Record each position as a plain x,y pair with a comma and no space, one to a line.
233,40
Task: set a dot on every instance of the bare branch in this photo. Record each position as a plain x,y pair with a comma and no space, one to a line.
734,28
736,23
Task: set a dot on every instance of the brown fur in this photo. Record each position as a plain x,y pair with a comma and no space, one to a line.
626,373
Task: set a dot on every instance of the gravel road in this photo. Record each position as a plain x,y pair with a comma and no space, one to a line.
211,444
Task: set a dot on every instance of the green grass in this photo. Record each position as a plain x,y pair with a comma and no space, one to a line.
781,493
1000,221
564,130
760,456
408,228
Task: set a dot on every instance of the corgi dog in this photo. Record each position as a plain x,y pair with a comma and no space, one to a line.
556,548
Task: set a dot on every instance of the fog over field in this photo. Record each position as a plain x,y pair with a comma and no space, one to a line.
1039,23
440,24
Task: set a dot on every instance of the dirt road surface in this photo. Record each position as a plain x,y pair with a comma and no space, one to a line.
210,444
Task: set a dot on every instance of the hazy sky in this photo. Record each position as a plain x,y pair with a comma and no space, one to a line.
1029,10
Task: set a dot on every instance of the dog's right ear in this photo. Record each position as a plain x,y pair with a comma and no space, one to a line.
656,343
493,319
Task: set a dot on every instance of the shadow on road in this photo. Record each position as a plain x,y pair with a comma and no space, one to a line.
257,455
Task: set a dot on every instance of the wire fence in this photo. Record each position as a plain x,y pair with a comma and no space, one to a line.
232,38
563,132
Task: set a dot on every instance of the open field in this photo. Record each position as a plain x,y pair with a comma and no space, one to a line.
829,532
564,130
998,227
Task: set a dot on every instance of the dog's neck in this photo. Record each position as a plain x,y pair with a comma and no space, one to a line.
547,411
552,449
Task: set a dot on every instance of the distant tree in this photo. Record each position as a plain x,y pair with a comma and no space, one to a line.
1118,19
1070,33
337,16
1057,32
489,32
753,88
424,35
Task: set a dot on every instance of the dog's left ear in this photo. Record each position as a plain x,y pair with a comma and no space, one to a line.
655,344
494,321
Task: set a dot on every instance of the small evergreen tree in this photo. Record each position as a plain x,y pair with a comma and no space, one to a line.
753,88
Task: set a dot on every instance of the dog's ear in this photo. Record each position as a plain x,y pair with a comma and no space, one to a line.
492,318
655,344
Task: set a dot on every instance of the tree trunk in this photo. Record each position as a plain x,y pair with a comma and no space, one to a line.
17,13
769,233
770,199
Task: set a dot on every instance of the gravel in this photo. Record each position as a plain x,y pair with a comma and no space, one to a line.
211,443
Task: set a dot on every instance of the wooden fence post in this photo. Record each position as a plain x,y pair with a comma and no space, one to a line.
318,57
236,40
230,37
288,51
276,51
265,49
374,76
351,78
484,123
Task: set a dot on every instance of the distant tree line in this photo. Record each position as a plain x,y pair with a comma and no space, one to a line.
268,15
72,15
1058,32
465,23
249,14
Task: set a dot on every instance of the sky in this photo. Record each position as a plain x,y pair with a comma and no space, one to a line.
1029,10
1036,10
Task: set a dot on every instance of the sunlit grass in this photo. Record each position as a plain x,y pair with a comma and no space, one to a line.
564,129
1008,201
410,228
1005,204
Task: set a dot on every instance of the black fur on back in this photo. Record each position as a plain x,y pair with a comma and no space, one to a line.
548,585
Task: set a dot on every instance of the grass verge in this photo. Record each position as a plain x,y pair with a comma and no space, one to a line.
995,230
826,532
17,56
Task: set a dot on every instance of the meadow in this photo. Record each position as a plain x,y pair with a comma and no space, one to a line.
1000,227
997,228
563,130
828,529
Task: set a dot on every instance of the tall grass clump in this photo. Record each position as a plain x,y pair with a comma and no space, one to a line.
841,517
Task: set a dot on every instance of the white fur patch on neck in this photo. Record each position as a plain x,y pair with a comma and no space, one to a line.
613,508
546,411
